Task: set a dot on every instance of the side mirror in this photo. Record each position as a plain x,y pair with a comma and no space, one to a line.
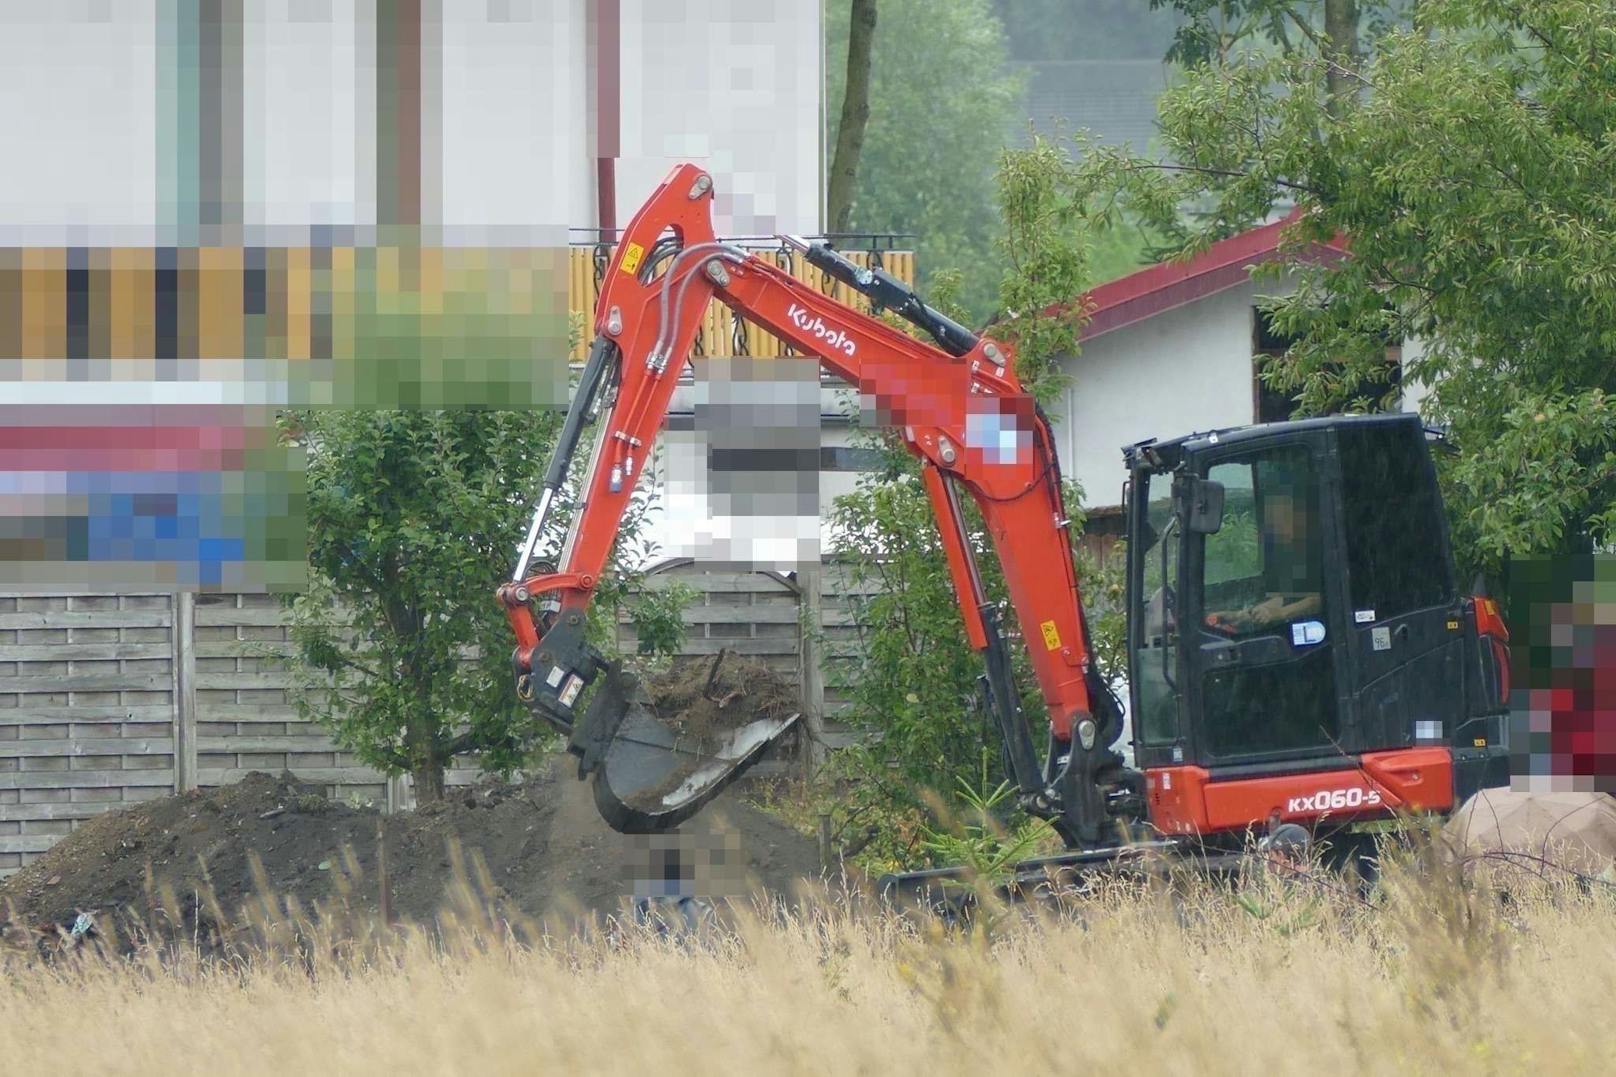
1205,507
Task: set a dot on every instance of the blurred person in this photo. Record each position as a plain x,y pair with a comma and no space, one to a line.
1563,669
1291,577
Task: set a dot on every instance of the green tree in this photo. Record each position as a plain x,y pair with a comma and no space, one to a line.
1220,31
942,104
414,517
1472,178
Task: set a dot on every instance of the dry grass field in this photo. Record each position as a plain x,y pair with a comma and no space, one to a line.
1283,976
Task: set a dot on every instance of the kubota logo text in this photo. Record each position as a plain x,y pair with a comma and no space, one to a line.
812,323
1335,800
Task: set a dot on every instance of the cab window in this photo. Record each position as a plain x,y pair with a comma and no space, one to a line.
1262,576
1156,549
1396,558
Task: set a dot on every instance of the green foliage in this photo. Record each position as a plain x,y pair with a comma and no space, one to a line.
414,517
622,590
657,615
1556,451
1289,915
942,103
1118,246
916,679
1104,602
1234,553
1045,252
977,839
1473,177
1212,30
403,651
1218,31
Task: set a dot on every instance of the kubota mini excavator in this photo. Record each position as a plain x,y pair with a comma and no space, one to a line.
1298,648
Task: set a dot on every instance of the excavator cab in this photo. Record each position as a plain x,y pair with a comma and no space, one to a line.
1293,609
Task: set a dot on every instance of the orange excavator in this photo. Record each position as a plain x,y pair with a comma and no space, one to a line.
1299,651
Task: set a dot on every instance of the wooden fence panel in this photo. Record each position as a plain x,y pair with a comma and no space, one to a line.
107,700
244,719
86,712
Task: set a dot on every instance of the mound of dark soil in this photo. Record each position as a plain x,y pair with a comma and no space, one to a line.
546,850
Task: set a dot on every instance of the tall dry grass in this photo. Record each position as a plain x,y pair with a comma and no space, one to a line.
1433,975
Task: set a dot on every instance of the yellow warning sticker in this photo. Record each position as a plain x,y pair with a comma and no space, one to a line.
1051,635
1453,626
631,257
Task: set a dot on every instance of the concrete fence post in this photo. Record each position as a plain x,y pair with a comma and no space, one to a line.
810,624
398,793
184,638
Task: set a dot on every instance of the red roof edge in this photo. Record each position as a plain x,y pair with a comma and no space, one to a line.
1166,285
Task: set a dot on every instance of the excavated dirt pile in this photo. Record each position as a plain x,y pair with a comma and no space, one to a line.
547,853
708,697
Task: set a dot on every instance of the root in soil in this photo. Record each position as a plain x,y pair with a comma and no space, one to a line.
708,698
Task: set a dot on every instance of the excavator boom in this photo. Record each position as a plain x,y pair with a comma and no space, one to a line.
958,405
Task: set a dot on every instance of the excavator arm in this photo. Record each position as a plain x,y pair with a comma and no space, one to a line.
959,407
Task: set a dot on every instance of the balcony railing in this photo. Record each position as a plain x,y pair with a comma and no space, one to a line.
722,333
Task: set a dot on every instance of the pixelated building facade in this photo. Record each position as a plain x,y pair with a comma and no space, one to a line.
217,209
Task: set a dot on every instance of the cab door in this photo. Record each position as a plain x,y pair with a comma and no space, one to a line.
1154,582
1261,620
1403,608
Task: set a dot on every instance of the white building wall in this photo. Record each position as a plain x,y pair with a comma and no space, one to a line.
1184,370
308,144
506,121
515,164
736,86
1414,392
78,124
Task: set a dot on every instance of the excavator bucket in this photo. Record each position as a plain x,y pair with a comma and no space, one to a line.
649,774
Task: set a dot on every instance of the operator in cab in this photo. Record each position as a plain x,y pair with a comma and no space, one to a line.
1291,587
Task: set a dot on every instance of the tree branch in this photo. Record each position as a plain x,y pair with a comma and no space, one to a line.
1232,173
1301,24
352,664
1550,46
459,744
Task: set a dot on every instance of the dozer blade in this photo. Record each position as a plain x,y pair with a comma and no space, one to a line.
954,892
648,776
